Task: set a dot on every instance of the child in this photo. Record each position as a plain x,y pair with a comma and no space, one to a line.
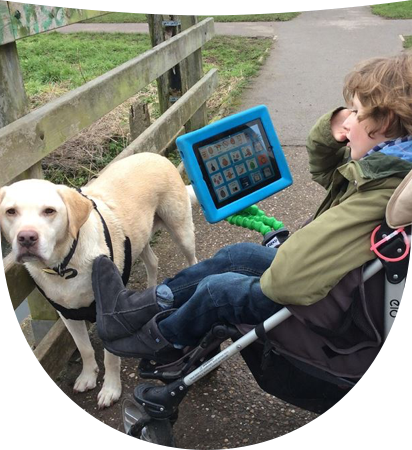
359,154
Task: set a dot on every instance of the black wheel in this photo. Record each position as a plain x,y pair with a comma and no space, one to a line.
139,425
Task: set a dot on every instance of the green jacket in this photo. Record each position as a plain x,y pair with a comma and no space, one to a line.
315,258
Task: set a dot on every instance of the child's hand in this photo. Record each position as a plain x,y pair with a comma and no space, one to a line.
336,124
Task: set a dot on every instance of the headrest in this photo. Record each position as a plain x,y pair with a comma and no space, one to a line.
399,208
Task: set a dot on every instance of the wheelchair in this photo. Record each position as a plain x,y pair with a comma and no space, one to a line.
151,412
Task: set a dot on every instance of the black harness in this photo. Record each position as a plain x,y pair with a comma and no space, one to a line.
87,312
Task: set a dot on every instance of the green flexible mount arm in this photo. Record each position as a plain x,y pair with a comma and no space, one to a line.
255,219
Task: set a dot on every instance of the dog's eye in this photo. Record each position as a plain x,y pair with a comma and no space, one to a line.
49,211
11,212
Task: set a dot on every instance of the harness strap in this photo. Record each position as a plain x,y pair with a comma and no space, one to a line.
127,268
84,313
127,244
105,227
267,347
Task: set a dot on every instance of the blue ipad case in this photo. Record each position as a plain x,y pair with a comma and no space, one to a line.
234,163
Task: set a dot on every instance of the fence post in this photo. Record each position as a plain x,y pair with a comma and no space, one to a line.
139,119
13,105
173,84
191,71
157,36
13,100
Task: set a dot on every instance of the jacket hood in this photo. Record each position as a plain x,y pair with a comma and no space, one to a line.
388,159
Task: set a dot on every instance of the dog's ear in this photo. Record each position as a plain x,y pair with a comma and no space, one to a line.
78,208
2,193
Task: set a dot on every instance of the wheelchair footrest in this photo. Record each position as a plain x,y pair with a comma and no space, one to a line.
207,348
161,402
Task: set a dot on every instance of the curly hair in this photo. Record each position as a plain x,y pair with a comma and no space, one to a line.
384,88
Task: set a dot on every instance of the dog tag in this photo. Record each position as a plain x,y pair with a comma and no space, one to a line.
50,271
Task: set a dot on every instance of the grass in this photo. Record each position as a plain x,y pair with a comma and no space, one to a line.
276,17
55,63
398,10
238,59
141,18
118,17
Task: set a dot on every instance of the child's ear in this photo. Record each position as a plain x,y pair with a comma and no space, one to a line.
387,122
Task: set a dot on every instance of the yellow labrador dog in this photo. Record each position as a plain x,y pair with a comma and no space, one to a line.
57,232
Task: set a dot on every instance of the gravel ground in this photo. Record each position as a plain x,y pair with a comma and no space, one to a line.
227,409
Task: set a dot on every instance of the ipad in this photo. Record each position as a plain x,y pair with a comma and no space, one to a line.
234,163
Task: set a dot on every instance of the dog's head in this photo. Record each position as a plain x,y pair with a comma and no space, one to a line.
36,217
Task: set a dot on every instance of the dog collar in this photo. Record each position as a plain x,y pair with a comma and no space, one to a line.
68,273
62,269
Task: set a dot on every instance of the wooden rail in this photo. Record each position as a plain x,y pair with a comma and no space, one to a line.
31,138
19,20
27,138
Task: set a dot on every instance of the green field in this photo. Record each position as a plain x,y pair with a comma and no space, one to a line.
398,10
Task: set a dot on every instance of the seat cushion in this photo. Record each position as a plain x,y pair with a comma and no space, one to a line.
399,209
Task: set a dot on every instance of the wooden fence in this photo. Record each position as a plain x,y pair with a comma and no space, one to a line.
27,137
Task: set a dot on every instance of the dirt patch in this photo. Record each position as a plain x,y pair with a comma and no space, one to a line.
83,157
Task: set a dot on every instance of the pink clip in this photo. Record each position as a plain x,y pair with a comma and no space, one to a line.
374,247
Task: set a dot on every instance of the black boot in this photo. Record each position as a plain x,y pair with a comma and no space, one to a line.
120,312
147,343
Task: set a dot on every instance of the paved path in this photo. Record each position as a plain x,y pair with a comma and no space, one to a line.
253,29
303,75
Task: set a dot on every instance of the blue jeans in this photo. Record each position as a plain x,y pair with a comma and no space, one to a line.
225,288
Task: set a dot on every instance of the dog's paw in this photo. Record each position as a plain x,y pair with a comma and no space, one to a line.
86,380
110,393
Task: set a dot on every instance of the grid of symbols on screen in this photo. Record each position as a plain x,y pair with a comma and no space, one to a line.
236,163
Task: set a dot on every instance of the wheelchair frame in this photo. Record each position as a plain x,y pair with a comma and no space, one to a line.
160,403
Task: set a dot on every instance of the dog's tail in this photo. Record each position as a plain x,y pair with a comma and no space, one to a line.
192,195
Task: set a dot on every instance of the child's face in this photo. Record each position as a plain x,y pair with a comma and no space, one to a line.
357,132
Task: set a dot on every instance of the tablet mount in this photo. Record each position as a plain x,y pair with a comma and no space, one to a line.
234,163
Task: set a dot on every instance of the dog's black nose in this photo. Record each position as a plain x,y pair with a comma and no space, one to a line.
27,238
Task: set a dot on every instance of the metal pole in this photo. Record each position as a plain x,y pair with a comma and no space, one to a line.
236,347
250,337
393,295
